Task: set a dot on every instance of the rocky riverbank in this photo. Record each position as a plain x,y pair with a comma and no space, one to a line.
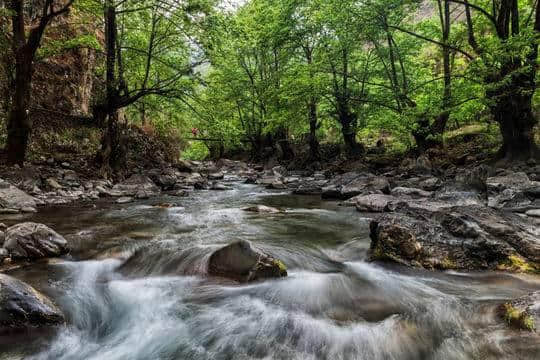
474,218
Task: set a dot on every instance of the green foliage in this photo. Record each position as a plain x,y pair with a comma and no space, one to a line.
57,47
197,151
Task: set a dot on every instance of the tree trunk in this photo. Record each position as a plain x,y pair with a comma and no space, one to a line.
349,137
314,154
284,144
513,113
111,157
19,124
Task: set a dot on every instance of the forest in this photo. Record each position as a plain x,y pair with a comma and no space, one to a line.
269,179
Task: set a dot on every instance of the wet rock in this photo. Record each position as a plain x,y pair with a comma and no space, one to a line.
533,192
240,261
53,184
9,211
219,187
277,185
3,227
352,184
406,191
533,213
431,184
310,186
423,165
136,185
105,192
23,307
216,176
164,178
371,202
262,209
13,199
183,166
522,313
457,197
232,165
181,193
196,180
33,241
4,253
279,171
509,190
124,200
475,178
2,236
395,242
456,237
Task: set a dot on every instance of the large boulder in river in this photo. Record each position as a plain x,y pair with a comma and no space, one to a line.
33,241
434,234
22,307
14,200
240,261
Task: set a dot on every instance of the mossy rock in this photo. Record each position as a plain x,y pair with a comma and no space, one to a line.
517,263
517,318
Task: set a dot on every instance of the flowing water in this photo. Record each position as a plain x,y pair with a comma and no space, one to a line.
333,305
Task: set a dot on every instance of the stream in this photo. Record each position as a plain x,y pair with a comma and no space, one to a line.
333,304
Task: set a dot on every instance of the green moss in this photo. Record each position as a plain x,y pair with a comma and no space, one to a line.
519,264
448,264
281,265
517,318
377,253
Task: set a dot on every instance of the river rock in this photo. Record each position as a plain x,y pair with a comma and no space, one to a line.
423,165
137,185
431,184
11,198
53,184
523,313
183,166
164,178
370,202
240,261
124,200
4,254
455,237
23,307
196,180
509,191
216,176
263,209
352,184
533,213
407,191
219,187
33,241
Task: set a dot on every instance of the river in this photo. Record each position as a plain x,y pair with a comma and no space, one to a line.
333,305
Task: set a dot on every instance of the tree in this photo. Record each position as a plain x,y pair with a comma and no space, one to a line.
25,46
150,59
506,60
